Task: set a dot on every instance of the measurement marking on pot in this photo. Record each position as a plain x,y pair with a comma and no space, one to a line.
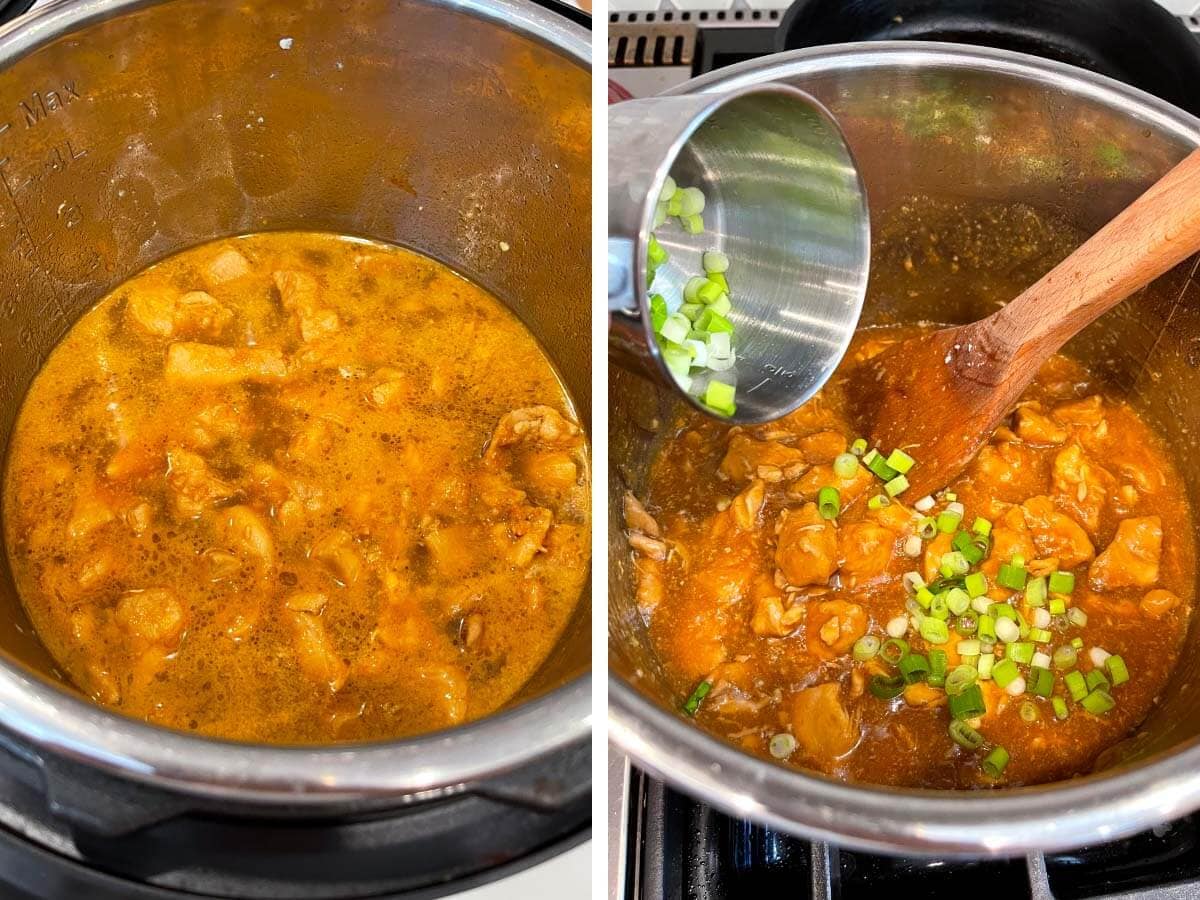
40,105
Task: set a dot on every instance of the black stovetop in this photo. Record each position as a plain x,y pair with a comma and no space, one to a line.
681,849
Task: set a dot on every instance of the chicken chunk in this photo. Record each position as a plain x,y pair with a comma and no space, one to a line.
745,508
822,447
542,426
389,387
549,475
162,313
206,365
650,588
934,551
245,531
228,265
213,424
300,296
770,618
866,551
194,487
1131,560
153,615
450,690
1082,485
850,489
1083,412
89,513
1036,428
1014,470
636,517
833,626
1055,533
807,549
311,602
1158,603
335,550
824,731
528,530
315,653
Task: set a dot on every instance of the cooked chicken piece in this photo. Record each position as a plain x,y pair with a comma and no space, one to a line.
1055,533
450,686
528,529
389,387
246,531
636,517
299,294
1084,412
538,425
450,550
226,266
221,565
1082,486
745,508
1010,537
824,731
215,423
162,313
850,489
1014,469
98,569
1131,560
550,476
311,443
770,619
1036,428
934,551
866,550
1158,603
896,517
807,549
1146,476
153,615
650,587
747,458
206,365
89,513
822,447
138,517
315,653
921,694
336,551
833,626
141,457
312,602
194,486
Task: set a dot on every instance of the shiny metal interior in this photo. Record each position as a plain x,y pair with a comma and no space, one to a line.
130,130
783,199
1020,159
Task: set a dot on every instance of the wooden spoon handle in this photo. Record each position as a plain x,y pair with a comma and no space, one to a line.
1158,231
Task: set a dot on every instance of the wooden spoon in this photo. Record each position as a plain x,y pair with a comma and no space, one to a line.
940,396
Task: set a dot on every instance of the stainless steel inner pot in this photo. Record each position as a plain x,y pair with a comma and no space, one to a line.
130,130
971,128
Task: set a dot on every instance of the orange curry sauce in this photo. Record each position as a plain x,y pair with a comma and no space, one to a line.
744,585
295,487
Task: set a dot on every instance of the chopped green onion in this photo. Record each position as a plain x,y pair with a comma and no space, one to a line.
971,550
865,648
658,312
987,663
1065,657
691,201
982,526
691,290
697,697
1057,606
966,624
718,278
1095,680
859,447
1008,630
845,465
692,224
692,311
987,628
1062,582
708,292
900,461
897,485
964,735
938,608
1117,670
870,456
1035,592
675,329
937,667
947,521
719,396
1020,651
912,581
1077,643
1060,708
927,528
1040,635
968,704
959,679
1098,702
1029,712
957,601
782,745
829,502
1076,684
949,496
721,306
976,584
1004,672
1040,681
924,596
914,667
886,687
655,254
879,466
675,203
967,648
668,189
1077,617
714,262
953,563
994,762
1018,560
1011,576
934,630
879,501
893,650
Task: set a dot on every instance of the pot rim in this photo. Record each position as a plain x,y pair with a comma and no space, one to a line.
1008,822
58,722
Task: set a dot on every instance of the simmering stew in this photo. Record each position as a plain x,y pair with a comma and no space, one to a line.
1007,631
294,487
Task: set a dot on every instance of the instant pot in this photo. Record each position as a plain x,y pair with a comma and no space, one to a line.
130,130
945,136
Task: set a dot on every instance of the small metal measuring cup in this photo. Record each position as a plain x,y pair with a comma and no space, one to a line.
784,202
